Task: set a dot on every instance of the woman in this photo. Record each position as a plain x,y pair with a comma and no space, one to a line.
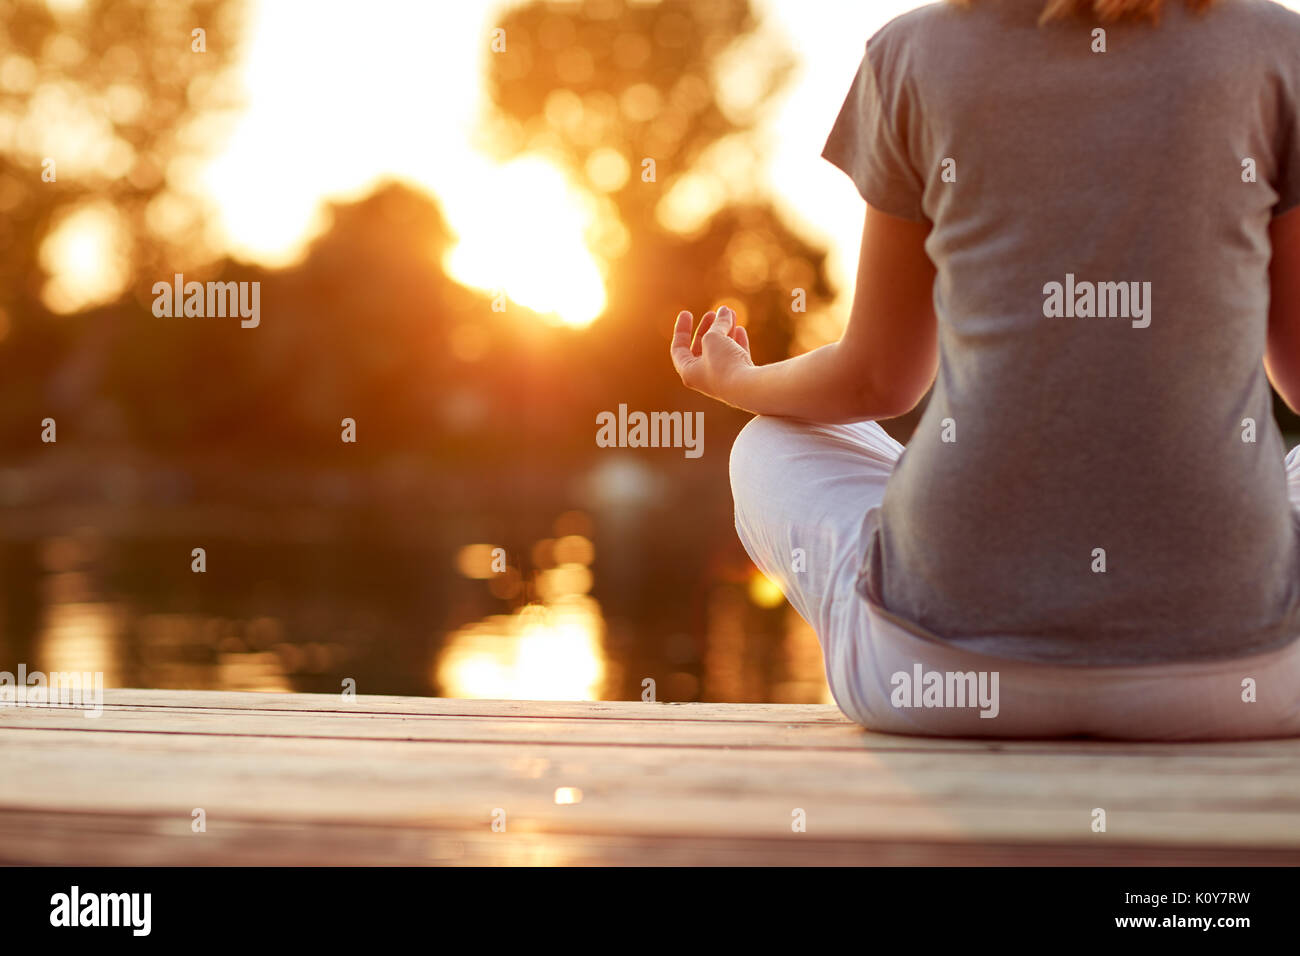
1081,229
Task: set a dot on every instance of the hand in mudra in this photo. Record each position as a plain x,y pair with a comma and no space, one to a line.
716,357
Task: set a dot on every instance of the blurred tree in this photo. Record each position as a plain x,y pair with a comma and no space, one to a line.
369,326
652,108
102,103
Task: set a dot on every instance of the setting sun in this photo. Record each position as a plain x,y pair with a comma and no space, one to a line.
522,226
522,234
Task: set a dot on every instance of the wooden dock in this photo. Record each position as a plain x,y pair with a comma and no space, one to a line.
310,779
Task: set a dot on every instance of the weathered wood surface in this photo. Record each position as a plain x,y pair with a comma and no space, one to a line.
309,779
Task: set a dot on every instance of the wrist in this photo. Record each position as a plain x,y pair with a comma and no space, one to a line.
738,387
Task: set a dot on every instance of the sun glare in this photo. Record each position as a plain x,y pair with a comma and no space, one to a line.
541,653
411,111
522,234
84,259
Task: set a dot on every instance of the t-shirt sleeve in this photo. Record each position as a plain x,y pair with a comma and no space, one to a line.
1288,185
865,142
1287,179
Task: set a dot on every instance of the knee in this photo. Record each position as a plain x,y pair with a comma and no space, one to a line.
749,464
753,446
742,448
759,437
766,439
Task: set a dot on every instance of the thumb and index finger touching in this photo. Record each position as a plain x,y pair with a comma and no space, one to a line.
687,348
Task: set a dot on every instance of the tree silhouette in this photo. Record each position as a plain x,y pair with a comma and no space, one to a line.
109,93
577,81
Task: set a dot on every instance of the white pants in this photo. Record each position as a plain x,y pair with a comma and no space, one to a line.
802,486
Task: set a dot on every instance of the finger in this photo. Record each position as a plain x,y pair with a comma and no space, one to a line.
722,346
741,337
726,321
706,323
681,347
682,329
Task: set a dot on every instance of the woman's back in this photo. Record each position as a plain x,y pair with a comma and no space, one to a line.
1098,477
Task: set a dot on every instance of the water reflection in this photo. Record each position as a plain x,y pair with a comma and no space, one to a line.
80,637
573,611
78,633
552,648
544,652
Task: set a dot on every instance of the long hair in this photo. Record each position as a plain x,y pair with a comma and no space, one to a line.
1107,11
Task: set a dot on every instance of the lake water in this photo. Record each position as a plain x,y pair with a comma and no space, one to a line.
569,617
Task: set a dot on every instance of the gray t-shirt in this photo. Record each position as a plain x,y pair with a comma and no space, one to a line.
1098,478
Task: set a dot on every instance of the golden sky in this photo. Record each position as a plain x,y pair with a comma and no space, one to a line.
362,90
336,103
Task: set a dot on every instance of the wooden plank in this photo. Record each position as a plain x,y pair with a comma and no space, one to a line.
450,707
609,721
421,778
66,839
621,731
1225,781
662,790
